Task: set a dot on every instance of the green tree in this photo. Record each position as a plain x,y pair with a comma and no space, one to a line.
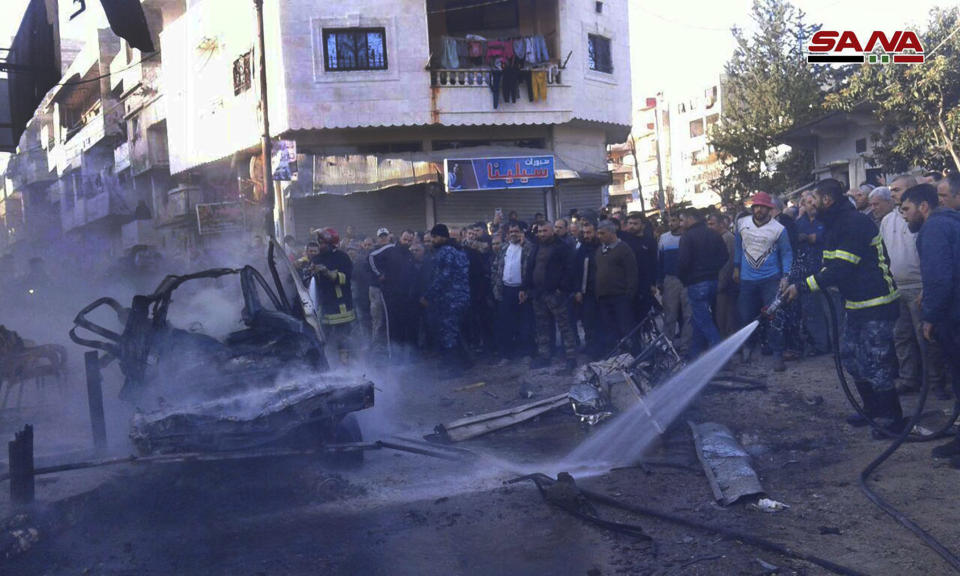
918,105
769,87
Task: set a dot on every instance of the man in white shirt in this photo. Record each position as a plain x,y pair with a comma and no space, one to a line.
514,317
901,247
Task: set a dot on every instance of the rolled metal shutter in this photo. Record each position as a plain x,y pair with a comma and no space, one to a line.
396,209
466,207
579,196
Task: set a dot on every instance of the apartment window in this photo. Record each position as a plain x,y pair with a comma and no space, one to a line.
346,49
861,145
598,53
242,73
134,128
696,128
712,120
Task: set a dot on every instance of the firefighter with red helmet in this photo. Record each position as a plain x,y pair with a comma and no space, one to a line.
332,271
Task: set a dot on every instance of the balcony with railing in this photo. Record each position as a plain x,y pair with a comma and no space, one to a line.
98,129
177,207
481,52
148,140
87,199
30,167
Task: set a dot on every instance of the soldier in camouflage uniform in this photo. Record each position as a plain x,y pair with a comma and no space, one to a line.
448,296
548,282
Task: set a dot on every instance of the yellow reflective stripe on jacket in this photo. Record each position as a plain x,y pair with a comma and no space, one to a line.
341,318
882,262
878,301
841,255
812,283
341,278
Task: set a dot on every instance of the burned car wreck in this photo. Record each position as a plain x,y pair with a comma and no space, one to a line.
265,385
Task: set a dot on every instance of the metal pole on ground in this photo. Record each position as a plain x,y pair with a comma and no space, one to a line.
20,451
91,362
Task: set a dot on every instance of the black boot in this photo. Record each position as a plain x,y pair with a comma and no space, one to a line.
888,412
867,396
949,450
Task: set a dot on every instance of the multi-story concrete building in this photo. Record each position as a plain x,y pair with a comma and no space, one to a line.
673,153
647,156
693,160
376,96
94,152
379,97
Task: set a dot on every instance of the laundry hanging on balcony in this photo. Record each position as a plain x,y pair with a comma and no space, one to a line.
505,83
474,51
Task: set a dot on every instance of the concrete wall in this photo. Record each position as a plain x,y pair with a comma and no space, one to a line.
840,146
402,96
597,96
398,96
206,120
581,148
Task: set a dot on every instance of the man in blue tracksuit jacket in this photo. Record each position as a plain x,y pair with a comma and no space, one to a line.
938,244
762,262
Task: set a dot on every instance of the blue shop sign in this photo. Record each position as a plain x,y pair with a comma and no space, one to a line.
498,173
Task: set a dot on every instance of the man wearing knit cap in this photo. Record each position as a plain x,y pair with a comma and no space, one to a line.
448,297
762,262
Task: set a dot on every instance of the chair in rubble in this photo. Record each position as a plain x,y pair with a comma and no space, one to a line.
21,363
657,359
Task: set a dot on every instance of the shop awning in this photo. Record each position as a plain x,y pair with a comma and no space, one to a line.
351,173
344,174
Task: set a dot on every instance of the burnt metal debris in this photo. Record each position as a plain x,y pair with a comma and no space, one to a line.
259,386
725,463
593,396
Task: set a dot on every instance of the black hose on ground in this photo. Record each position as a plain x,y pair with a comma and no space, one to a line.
763,543
908,434
898,440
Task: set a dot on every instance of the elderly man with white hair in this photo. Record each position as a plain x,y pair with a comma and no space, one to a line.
881,203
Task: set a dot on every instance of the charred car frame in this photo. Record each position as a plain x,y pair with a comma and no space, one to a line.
264,385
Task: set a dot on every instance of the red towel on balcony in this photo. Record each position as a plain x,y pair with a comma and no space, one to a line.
496,49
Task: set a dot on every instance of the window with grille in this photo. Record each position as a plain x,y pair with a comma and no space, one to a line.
598,53
242,73
696,128
346,49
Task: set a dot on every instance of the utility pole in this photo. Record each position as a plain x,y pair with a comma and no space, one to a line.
636,171
656,123
265,123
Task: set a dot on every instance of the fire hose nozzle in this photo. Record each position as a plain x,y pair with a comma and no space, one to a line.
770,310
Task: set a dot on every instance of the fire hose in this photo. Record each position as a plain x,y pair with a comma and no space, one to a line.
907,435
542,480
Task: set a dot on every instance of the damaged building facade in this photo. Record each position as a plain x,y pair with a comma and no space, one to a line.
374,96
377,94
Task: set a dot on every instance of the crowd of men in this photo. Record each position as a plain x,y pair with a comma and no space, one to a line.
888,257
